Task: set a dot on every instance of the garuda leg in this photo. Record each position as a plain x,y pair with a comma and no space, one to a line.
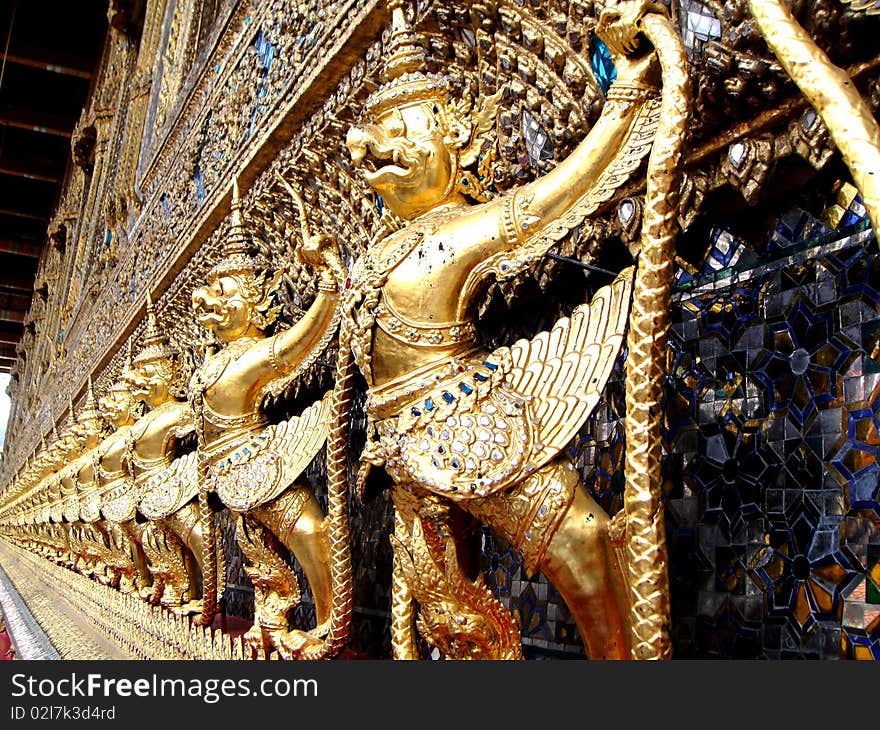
296,524
564,534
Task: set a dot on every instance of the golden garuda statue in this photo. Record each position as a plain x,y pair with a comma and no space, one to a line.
253,467
73,441
65,446
54,458
89,497
462,431
94,537
76,478
172,539
116,489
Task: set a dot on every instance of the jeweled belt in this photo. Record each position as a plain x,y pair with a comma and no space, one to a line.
411,388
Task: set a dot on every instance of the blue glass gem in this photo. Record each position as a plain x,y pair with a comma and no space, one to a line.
465,388
603,66
490,365
429,405
849,218
265,49
448,397
480,378
415,412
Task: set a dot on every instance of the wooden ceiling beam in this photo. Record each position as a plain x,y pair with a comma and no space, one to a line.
35,121
32,170
12,315
17,302
49,59
10,333
28,215
20,248
16,281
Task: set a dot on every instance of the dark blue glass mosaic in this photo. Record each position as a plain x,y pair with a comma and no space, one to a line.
772,437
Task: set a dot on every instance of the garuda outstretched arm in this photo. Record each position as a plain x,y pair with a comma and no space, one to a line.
536,216
296,349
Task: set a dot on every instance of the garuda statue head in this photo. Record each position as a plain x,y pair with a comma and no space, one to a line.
118,405
42,457
54,449
239,298
154,371
417,138
90,421
70,441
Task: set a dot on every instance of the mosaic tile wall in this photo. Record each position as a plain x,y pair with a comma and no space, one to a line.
771,433
771,468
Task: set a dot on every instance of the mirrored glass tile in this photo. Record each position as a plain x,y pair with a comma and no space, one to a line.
537,141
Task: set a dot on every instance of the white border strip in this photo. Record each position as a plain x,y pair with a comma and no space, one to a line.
29,640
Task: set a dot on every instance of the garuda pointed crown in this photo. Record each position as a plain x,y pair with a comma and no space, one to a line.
89,414
406,78
156,345
120,385
240,253
70,424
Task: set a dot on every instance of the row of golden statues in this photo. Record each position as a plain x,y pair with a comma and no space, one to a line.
463,433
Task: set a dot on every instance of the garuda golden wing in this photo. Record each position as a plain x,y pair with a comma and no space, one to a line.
498,418
166,491
260,468
69,492
561,374
90,504
56,502
119,498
